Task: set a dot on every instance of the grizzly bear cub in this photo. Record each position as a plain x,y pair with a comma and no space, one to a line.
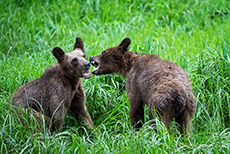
161,85
58,89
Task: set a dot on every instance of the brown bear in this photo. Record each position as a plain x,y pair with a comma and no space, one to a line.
58,89
161,85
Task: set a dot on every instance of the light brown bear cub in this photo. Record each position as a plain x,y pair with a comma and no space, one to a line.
161,85
58,89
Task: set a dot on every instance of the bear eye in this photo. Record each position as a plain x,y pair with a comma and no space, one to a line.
84,56
74,61
103,53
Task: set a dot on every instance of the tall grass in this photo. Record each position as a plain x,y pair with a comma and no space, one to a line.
193,34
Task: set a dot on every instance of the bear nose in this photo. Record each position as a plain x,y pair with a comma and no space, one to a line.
87,65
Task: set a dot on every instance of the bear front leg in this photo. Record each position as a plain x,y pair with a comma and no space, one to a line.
38,116
78,107
58,113
57,122
136,114
136,110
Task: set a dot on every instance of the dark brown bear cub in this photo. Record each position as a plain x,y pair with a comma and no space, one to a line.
58,89
161,85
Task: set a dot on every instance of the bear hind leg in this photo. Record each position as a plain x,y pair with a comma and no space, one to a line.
30,116
184,120
160,106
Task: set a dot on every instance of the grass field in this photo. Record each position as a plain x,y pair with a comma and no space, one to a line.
194,34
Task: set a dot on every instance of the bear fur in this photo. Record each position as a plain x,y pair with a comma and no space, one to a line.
58,89
161,85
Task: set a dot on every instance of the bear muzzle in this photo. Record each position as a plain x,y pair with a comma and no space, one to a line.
86,73
95,63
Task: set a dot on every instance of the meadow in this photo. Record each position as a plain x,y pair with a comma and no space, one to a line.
195,34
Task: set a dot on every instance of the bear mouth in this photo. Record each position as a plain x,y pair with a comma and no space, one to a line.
96,64
86,74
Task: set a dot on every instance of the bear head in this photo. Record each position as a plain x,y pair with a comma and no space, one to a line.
114,59
74,63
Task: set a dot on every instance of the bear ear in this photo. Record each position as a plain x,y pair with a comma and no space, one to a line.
123,47
79,44
59,54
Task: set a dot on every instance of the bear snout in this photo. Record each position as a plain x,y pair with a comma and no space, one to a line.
87,65
94,61
85,70
91,58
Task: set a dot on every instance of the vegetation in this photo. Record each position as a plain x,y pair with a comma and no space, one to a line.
194,34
